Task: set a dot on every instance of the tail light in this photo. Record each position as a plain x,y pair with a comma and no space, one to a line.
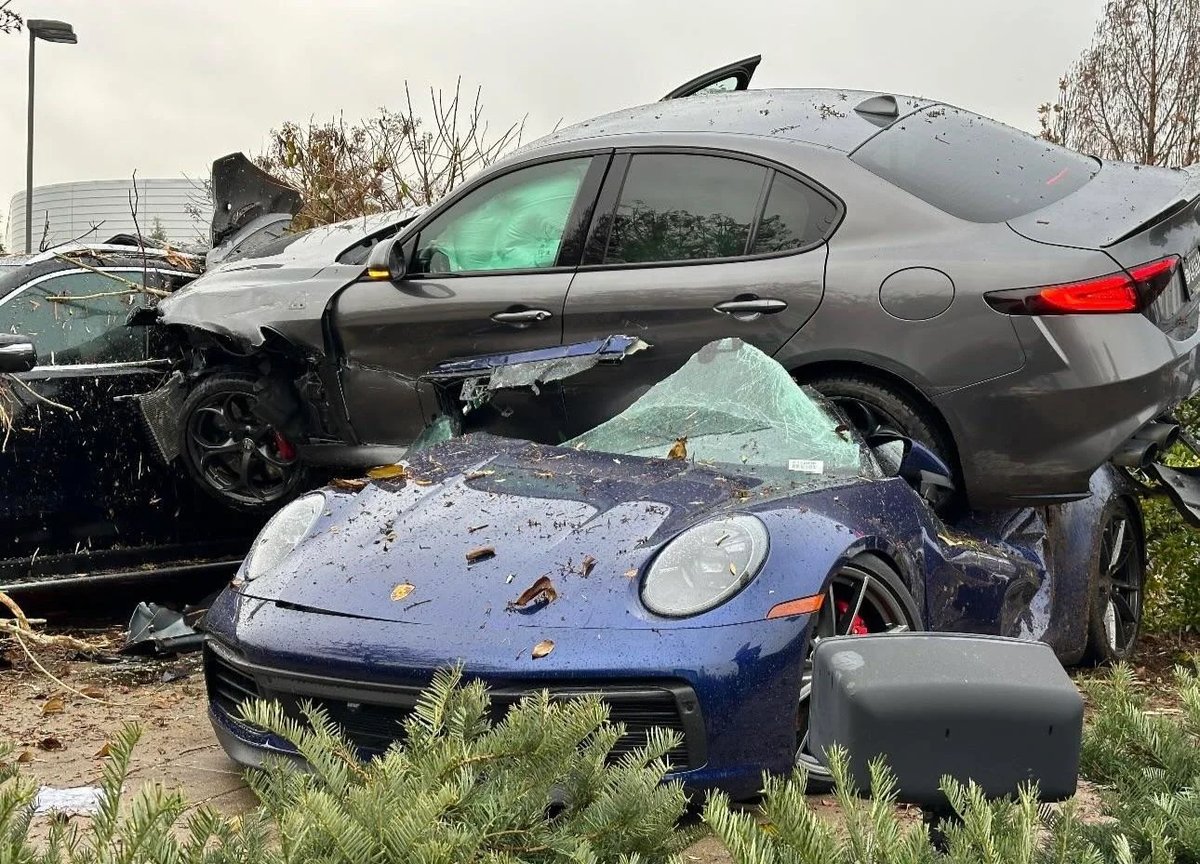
1125,291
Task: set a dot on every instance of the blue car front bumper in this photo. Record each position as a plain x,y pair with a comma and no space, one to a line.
732,691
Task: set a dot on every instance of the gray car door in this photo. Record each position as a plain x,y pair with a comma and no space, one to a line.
488,273
688,247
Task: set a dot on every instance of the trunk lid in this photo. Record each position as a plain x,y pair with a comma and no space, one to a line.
247,200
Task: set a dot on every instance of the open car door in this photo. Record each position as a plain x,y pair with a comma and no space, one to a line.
735,76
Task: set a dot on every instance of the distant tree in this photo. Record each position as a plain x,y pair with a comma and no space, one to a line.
158,232
10,21
390,161
1134,93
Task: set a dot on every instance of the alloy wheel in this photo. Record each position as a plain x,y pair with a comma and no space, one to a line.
237,454
857,603
1120,584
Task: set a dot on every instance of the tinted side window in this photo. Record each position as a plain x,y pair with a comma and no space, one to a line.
679,207
795,216
515,222
972,167
68,331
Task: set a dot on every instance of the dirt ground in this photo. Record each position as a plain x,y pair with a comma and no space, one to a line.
59,728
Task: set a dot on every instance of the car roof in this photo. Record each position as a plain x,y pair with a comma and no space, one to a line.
822,117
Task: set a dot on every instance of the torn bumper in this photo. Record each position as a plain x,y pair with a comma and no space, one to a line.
730,691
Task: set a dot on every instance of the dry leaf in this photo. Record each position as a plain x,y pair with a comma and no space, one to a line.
103,752
387,472
92,692
25,756
50,743
421,481
53,705
402,590
475,475
480,554
543,474
541,590
543,648
586,565
631,573
678,449
732,569
348,485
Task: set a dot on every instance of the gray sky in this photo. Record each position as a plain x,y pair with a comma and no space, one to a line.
164,86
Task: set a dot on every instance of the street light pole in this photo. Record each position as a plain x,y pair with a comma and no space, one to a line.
29,154
50,31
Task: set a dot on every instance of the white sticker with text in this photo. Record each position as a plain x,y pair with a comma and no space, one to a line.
808,466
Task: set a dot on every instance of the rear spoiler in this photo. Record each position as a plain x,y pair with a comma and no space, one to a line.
1187,197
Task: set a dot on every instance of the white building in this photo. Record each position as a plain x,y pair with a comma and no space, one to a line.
94,210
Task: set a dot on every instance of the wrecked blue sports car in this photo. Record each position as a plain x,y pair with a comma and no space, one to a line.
680,559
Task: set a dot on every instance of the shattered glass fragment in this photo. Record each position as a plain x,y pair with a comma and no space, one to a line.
733,406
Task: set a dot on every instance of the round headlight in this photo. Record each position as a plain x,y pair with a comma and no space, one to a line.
705,565
283,534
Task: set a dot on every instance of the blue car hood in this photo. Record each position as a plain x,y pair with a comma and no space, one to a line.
588,522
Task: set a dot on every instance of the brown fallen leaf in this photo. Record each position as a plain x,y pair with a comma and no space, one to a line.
541,590
678,449
53,705
543,474
50,743
475,475
25,756
421,481
586,565
402,590
92,692
348,484
543,648
480,554
631,573
103,752
387,472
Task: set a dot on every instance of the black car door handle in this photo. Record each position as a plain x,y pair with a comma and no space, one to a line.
522,317
751,306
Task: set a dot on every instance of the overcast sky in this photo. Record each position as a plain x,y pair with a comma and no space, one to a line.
164,86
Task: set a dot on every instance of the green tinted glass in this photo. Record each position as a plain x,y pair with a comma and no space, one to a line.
515,222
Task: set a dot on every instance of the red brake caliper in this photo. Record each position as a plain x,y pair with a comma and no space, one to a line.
284,447
858,627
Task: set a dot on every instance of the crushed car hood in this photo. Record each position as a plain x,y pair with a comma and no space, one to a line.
587,521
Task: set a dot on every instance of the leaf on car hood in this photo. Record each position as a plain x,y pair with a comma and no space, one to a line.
347,484
541,590
387,472
402,590
542,648
480,554
586,565
678,449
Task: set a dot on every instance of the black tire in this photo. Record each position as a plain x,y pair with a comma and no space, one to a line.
229,452
1118,587
871,404
885,606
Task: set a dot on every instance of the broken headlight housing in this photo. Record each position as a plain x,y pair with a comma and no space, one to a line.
282,534
705,565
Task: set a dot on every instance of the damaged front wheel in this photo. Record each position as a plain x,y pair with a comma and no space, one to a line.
235,456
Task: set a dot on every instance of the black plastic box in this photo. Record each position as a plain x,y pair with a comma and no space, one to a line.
1000,712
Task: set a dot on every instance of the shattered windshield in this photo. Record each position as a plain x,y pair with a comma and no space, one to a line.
733,406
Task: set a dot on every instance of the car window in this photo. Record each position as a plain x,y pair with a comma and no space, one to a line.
683,207
515,222
795,216
972,167
77,318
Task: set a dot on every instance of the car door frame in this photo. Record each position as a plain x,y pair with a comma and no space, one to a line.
743,70
579,223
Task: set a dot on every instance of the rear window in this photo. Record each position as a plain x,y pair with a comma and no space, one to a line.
972,167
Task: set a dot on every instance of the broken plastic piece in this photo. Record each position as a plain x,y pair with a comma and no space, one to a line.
155,629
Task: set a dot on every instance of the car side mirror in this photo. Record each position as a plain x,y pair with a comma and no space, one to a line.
903,457
17,353
386,263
